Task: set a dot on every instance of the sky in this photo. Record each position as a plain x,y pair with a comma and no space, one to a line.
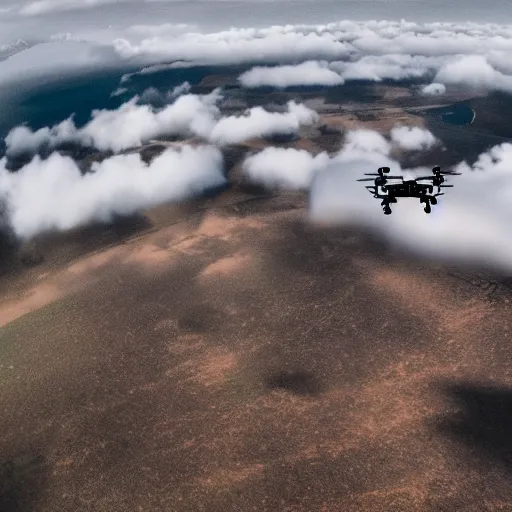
61,15
282,43
72,35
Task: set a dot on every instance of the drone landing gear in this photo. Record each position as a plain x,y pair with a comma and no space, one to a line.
385,206
427,201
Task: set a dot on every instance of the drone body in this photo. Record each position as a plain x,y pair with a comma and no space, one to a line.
410,188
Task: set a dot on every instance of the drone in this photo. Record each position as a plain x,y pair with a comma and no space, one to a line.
408,188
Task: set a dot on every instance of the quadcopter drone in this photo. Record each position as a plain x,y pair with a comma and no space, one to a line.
409,188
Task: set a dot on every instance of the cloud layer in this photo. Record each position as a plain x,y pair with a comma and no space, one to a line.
307,73
470,54
469,223
133,124
473,54
434,89
259,123
412,138
284,168
295,169
52,194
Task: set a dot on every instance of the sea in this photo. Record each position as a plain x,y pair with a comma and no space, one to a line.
49,102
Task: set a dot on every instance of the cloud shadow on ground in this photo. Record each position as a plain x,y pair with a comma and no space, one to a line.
481,420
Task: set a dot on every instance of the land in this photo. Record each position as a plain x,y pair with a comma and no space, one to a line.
225,354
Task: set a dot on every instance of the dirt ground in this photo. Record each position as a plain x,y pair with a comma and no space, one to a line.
236,358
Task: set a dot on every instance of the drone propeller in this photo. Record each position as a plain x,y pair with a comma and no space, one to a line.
445,186
385,177
453,173
434,177
376,174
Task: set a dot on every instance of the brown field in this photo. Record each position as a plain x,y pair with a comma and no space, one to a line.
232,357
226,355
384,121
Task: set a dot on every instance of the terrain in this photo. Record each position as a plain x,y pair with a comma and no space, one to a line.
227,354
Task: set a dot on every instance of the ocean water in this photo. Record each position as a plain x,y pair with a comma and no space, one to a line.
49,102
459,114
46,104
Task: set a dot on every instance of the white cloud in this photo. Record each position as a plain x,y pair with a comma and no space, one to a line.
290,168
284,168
7,50
129,126
336,196
258,123
474,71
132,125
165,29
151,95
363,50
274,45
431,39
118,92
464,224
367,140
434,89
23,140
52,194
57,57
156,68
393,66
183,88
307,73
412,138
469,223
154,96
356,50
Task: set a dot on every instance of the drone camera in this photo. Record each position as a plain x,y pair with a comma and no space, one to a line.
385,169
436,169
